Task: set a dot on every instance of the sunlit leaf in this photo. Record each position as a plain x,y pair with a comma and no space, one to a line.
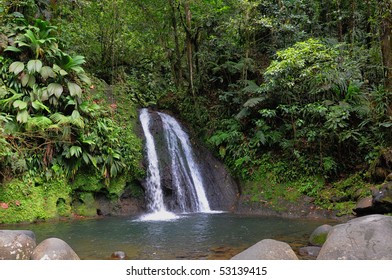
47,72
20,104
34,66
22,116
74,89
17,67
55,89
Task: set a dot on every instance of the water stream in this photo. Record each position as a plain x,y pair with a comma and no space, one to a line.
186,186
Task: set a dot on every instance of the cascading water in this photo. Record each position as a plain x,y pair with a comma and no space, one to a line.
154,193
185,172
187,192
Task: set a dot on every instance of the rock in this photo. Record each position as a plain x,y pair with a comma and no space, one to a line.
267,249
54,249
382,200
310,251
319,235
119,255
364,206
16,244
365,238
389,178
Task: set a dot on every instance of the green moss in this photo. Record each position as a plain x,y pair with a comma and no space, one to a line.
31,199
88,181
85,205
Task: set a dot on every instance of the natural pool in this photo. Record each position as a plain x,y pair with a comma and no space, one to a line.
192,236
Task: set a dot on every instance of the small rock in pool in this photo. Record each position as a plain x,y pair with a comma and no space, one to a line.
119,255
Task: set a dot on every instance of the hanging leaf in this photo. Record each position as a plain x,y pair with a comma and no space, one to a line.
47,72
21,105
25,79
44,95
55,89
22,116
16,67
85,79
74,89
34,66
12,49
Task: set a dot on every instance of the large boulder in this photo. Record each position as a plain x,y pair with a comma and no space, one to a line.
54,249
267,249
16,244
319,235
365,238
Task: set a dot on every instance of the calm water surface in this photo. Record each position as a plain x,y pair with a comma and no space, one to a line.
194,236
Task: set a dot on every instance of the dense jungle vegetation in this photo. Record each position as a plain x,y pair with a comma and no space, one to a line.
295,96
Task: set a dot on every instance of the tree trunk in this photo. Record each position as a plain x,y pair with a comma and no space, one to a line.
177,60
386,43
188,18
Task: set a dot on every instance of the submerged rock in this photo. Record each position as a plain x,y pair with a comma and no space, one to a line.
267,249
365,238
119,255
54,249
16,244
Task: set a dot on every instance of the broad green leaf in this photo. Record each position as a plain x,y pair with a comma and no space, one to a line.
12,49
74,89
44,95
34,66
55,89
85,79
22,116
17,67
47,72
29,80
25,79
59,70
75,115
37,105
20,104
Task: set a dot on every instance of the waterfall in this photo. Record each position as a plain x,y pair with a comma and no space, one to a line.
182,190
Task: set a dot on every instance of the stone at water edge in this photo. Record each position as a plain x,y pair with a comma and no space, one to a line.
365,238
267,249
16,244
319,235
119,255
310,251
54,249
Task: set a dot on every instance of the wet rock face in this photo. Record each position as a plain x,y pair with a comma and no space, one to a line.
221,189
16,244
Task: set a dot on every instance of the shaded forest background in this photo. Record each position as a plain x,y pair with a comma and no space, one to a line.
294,96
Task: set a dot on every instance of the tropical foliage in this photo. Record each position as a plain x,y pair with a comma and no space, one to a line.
301,84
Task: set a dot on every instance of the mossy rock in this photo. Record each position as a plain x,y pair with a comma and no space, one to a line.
85,205
319,235
30,199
